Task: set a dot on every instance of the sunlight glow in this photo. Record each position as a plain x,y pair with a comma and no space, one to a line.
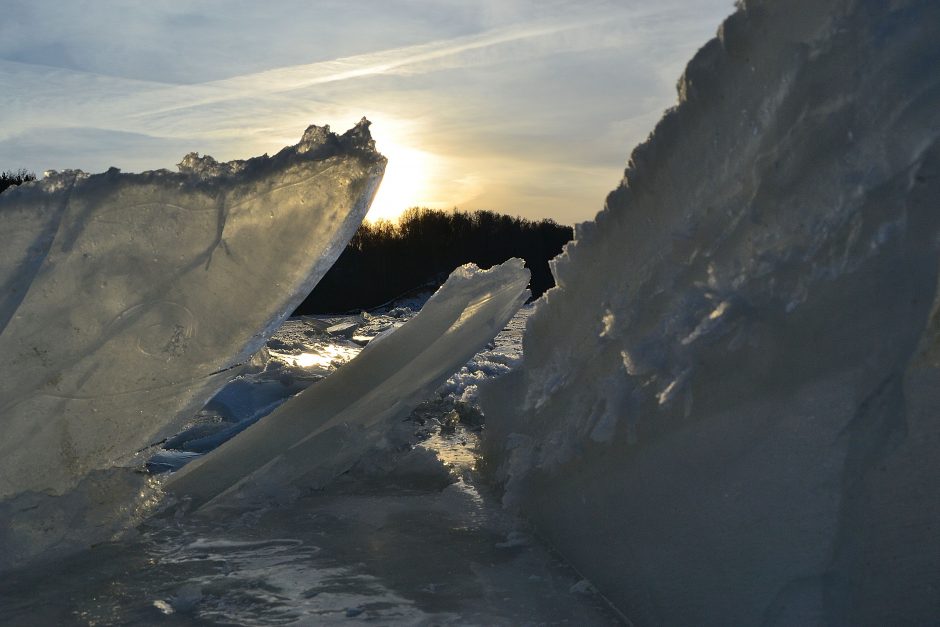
306,360
326,357
407,181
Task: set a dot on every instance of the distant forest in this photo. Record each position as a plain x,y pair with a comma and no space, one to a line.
9,178
385,259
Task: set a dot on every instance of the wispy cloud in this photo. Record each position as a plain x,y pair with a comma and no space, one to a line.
118,100
404,60
527,107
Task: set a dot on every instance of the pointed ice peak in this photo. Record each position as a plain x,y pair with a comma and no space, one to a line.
314,137
317,142
207,166
317,138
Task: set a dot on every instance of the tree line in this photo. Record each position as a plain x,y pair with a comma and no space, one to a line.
385,259
10,178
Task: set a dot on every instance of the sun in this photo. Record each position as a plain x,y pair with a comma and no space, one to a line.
406,182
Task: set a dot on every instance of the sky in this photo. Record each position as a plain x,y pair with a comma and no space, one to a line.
523,107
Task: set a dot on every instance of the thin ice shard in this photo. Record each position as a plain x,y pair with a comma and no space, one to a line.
322,431
129,299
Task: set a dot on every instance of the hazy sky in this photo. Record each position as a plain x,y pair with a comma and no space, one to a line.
524,107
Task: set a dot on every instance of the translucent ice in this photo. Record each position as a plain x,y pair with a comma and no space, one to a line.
728,412
322,431
128,299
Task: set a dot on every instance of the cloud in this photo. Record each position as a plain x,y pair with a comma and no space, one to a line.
526,107
91,149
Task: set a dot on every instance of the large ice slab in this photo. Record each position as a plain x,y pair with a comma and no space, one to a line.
128,299
728,410
323,431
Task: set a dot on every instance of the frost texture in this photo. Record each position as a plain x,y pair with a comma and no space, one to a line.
127,300
324,430
727,411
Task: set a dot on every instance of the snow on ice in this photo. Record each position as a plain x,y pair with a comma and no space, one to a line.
727,410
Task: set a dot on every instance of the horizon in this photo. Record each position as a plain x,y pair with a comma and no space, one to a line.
518,108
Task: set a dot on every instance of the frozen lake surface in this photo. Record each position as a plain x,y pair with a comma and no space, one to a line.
411,535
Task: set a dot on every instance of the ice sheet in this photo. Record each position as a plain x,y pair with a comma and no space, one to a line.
726,412
129,299
322,431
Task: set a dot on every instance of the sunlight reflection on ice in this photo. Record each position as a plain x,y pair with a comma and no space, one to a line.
325,356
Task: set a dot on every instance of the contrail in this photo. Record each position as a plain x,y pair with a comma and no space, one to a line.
346,68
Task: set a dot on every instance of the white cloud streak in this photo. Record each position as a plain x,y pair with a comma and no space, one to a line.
548,96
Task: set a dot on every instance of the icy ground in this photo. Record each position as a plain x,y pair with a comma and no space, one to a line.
410,536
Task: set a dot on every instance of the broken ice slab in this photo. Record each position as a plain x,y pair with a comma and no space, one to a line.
129,299
321,432
728,409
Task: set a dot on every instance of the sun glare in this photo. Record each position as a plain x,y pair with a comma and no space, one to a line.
406,183
324,357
